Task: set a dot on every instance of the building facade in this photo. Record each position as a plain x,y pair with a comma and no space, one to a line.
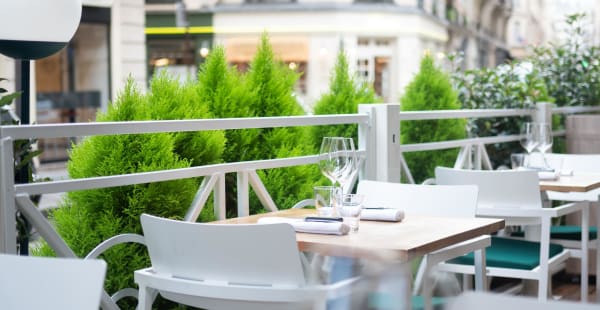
384,40
73,84
539,22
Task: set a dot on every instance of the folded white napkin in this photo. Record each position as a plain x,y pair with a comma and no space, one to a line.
383,214
548,175
566,172
328,228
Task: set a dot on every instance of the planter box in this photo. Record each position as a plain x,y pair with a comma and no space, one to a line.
583,137
583,134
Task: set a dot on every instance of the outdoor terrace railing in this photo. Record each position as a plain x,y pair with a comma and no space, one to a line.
379,147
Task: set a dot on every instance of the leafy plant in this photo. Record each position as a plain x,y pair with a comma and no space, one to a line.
344,96
571,70
430,89
269,91
516,85
88,217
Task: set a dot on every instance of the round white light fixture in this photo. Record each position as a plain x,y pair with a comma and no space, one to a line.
33,29
204,51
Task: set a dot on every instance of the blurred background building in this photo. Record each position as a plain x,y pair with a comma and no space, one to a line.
537,22
384,41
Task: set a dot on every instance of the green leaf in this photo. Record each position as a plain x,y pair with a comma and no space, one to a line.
7,99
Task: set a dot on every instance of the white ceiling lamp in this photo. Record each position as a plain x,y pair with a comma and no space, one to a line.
33,29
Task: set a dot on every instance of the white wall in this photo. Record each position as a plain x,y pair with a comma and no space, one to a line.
128,44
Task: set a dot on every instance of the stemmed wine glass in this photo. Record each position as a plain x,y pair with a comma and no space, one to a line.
545,140
338,161
529,137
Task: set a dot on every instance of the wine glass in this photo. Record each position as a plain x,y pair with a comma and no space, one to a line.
529,136
545,140
338,159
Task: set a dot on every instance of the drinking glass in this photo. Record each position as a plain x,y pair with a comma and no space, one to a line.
350,208
545,140
325,200
338,160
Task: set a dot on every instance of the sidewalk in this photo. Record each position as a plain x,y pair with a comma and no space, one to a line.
55,171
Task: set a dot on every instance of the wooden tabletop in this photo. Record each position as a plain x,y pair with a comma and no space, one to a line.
579,182
402,241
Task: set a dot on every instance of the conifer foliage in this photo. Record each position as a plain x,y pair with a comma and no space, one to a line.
344,96
430,90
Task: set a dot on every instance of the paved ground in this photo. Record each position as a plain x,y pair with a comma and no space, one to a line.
55,171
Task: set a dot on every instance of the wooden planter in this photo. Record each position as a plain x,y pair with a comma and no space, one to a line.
583,137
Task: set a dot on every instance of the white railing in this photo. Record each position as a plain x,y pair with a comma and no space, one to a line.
379,145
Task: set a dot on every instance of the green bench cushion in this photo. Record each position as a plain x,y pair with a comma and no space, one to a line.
510,253
566,232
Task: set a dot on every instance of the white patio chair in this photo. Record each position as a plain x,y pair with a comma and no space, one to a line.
570,236
514,196
221,266
431,200
50,283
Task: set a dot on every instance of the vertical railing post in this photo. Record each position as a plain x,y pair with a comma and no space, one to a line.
543,113
8,225
243,197
381,140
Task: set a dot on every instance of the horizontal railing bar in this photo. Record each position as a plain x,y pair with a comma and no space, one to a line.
431,146
570,110
465,113
42,131
61,186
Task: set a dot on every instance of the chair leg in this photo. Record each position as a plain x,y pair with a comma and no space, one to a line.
146,298
480,271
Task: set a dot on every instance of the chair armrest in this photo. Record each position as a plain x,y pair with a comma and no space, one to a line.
459,249
530,213
304,203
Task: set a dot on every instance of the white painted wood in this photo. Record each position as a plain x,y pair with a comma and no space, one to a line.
214,266
8,235
207,185
543,113
57,283
243,197
261,191
367,138
219,198
112,128
386,124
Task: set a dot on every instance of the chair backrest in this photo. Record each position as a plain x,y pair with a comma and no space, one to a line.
578,162
434,200
50,283
251,254
497,189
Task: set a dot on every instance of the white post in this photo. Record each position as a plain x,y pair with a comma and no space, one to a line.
381,139
543,113
8,234
219,198
243,198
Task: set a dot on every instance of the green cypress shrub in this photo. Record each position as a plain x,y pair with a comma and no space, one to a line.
269,86
171,100
344,96
88,217
430,90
